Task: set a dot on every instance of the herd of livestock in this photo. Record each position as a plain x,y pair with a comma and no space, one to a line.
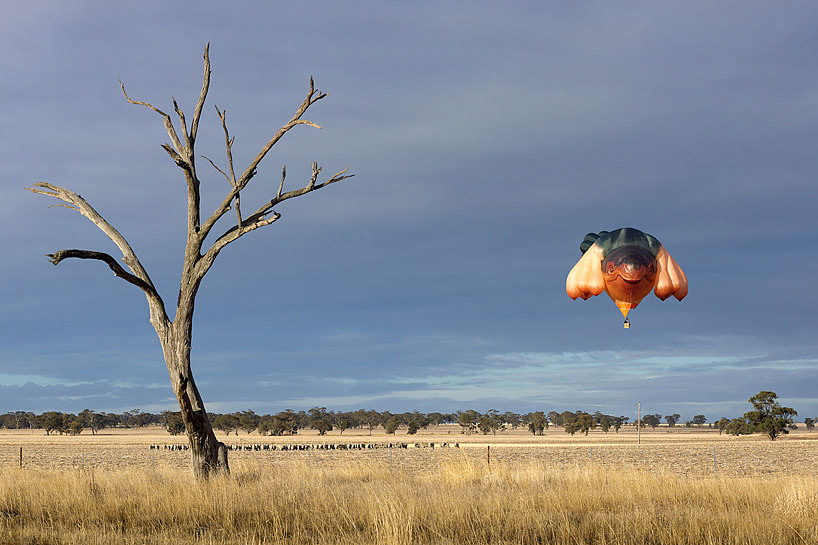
313,446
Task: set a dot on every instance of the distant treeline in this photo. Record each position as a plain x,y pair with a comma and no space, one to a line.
289,422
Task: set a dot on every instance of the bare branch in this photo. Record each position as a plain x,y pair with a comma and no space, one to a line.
241,182
238,211
311,186
312,97
281,185
56,257
181,121
175,156
197,114
168,123
76,202
231,235
228,144
223,173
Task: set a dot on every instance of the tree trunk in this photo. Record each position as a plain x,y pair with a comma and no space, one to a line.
208,456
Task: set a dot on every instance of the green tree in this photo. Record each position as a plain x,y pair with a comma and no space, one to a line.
226,423
320,420
391,425
578,422
74,426
344,422
467,420
174,423
652,420
584,422
512,419
248,421
809,423
672,419
537,422
699,420
768,416
722,424
52,421
738,426
490,422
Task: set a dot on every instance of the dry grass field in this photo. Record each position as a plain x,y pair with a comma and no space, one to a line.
509,488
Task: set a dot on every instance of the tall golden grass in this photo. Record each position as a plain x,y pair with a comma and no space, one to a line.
459,502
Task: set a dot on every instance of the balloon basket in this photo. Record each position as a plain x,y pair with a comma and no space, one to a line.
627,324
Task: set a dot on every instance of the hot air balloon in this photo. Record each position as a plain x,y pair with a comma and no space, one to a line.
626,264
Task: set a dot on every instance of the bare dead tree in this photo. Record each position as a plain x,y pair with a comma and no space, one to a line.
208,455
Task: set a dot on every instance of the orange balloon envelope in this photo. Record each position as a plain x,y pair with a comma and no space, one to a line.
626,264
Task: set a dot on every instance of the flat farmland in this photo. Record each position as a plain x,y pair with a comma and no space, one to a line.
510,488
678,451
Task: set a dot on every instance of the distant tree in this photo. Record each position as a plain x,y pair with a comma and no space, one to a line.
226,423
436,418
268,425
579,422
490,422
722,424
738,426
320,420
52,421
247,421
672,419
392,425
699,420
555,418
344,422
619,421
416,421
93,421
809,423
467,420
174,423
652,420
18,420
768,416
74,426
511,419
566,417
371,419
584,422
605,423
537,422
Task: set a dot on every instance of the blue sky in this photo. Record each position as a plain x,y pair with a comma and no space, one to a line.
486,140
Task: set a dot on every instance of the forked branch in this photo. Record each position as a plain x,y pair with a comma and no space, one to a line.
139,276
241,182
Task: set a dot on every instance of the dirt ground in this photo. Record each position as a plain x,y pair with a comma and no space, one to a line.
679,450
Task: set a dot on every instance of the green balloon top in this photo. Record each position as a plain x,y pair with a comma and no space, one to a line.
625,236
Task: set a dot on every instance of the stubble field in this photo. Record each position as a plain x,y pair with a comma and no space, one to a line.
670,486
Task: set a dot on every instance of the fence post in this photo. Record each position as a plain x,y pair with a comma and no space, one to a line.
715,470
592,454
21,456
488,454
